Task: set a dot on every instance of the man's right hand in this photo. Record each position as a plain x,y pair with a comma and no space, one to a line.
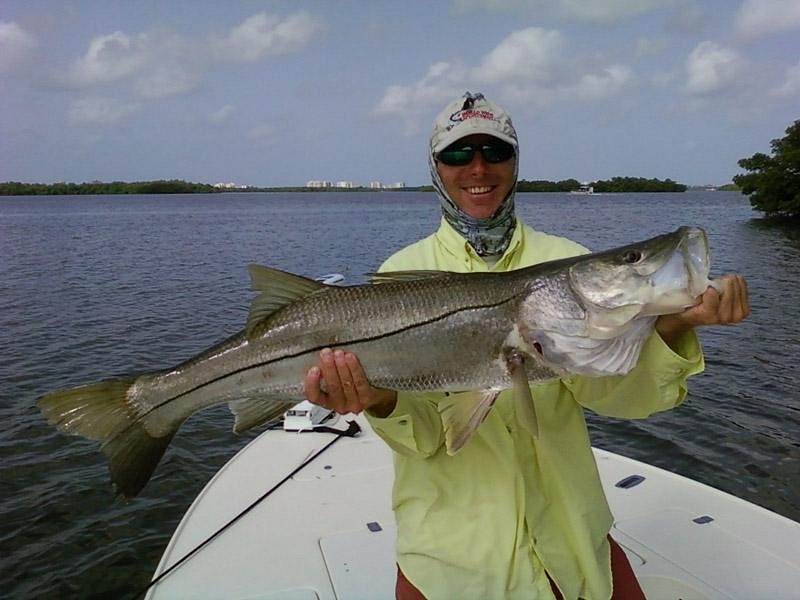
347,389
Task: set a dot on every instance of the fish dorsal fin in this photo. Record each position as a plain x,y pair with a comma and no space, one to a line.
278,289
390,276
462,413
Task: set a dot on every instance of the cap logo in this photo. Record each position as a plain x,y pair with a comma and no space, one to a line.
471,113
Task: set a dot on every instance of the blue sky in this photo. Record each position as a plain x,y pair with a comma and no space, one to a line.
279,93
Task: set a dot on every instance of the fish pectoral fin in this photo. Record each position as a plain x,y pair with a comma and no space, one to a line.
390,276
278,289
462,413
255,411
523,398
524,403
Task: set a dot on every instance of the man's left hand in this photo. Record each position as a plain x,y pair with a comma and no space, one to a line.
713,308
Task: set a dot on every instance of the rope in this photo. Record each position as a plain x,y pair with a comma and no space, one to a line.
352,430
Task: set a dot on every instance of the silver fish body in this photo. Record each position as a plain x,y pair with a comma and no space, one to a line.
425,331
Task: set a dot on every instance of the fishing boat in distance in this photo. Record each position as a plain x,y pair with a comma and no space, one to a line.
585,189
306,515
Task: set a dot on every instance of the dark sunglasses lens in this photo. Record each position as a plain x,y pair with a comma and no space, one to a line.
456,157
497,153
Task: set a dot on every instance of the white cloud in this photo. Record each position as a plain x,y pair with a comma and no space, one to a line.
791,83
758,18
161,64
593,86
109,58
100,111
593,11
265,35
530,54
531,65
444,81
166,80
221,115
263,131
712,68
16,45
646,46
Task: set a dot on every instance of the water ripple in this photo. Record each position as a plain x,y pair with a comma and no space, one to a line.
96,286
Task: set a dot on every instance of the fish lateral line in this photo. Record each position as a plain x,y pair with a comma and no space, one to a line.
312,350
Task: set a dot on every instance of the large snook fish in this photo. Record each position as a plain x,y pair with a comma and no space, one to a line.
415,330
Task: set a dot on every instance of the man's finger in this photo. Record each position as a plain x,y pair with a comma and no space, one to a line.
348,387
311,383
330,374
360,380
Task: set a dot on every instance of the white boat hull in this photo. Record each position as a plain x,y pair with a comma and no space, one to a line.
328,533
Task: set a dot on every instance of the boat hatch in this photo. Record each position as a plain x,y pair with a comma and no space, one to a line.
361,564
686,544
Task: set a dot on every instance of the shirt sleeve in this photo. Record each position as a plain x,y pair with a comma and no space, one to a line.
655,384
414,427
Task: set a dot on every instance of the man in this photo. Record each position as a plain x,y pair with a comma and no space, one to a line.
508,516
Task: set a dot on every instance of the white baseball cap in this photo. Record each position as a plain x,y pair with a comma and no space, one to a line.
471,114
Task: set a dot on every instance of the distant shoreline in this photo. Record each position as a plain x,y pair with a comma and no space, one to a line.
614,185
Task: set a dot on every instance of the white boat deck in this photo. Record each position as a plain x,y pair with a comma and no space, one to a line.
328,532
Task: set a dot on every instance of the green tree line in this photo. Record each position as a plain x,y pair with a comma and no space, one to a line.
173,186
615,184
773,183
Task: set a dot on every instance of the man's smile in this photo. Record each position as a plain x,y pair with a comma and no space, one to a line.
485,189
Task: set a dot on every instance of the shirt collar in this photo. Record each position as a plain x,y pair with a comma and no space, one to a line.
454,243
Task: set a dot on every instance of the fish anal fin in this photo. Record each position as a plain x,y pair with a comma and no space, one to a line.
462,413
252,412
278,289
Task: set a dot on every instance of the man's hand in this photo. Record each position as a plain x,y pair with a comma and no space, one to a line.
347,389
732,306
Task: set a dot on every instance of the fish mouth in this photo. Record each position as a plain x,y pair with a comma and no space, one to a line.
668,277
679,282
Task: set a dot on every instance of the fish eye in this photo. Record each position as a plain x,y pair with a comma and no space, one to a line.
632,257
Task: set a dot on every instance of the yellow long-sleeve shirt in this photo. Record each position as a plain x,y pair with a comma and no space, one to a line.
488,522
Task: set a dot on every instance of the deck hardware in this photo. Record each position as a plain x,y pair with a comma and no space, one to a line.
703,520
629,481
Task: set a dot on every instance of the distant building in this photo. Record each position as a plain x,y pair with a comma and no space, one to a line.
229,186
345,184
377,185
318,184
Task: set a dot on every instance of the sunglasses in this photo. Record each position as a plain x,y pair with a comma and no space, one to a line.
460,154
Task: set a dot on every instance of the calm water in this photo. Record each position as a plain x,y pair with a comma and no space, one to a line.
97,286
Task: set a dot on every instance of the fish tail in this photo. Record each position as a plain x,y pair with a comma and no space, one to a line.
103,411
